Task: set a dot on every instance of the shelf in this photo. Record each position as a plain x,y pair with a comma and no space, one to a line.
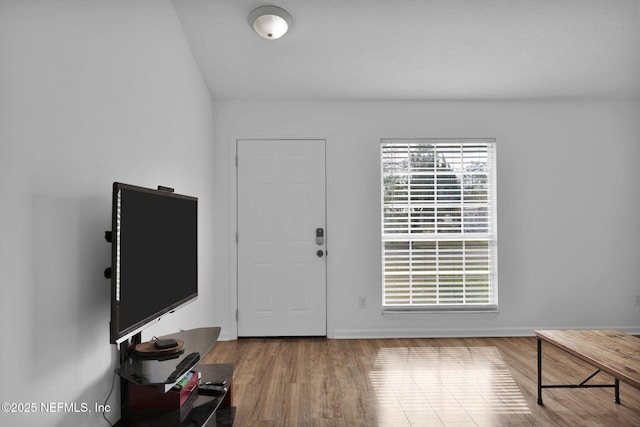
197,410
155,373
204,410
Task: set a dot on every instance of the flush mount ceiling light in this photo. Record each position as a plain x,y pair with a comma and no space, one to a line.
270,22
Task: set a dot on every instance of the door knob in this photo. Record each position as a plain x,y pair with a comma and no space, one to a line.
320,253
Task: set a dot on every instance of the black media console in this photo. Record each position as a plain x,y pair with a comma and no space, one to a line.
143,379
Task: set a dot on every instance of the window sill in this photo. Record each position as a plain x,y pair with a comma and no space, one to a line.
488,311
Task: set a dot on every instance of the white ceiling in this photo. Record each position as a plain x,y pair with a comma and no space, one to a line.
420,49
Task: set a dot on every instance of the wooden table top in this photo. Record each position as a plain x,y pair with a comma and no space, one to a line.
613,352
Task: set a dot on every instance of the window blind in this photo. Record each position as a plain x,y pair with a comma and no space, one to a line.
439,224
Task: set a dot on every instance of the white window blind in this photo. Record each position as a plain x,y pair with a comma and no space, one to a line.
439,224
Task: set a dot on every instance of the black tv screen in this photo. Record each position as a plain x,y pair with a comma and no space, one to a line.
154,259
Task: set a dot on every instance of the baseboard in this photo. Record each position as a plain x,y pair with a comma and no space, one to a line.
461,333
226,336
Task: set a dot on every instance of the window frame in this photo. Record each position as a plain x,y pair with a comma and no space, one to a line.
439,239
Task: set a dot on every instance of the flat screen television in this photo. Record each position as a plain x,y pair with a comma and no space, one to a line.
154,260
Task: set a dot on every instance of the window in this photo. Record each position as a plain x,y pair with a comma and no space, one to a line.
439,224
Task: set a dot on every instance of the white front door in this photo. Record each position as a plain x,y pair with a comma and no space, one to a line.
281,259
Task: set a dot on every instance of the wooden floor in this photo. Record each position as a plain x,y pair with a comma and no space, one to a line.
414,382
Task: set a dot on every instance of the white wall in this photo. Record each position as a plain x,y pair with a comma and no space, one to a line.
90,93
568,207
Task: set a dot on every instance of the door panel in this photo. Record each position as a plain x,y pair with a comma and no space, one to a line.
281,203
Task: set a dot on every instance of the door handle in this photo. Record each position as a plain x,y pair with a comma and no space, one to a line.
320,253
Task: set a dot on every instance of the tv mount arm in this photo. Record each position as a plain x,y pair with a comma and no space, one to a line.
107,236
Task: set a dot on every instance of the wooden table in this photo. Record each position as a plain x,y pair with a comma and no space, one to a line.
613,352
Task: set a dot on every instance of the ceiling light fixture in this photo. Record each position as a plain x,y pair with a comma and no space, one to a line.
270,22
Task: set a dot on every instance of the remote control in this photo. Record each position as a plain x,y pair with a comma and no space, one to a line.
211,390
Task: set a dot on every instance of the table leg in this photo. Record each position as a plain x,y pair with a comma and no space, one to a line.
539,371
617,391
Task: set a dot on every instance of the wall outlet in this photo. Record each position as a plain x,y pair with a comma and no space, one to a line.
362,302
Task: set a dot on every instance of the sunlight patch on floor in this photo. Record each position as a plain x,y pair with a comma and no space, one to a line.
444,385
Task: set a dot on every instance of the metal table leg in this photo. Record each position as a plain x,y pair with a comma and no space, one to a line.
539,371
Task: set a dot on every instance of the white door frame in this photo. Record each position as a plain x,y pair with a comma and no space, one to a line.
232,333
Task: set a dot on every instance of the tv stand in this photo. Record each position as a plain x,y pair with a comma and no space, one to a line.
164,372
